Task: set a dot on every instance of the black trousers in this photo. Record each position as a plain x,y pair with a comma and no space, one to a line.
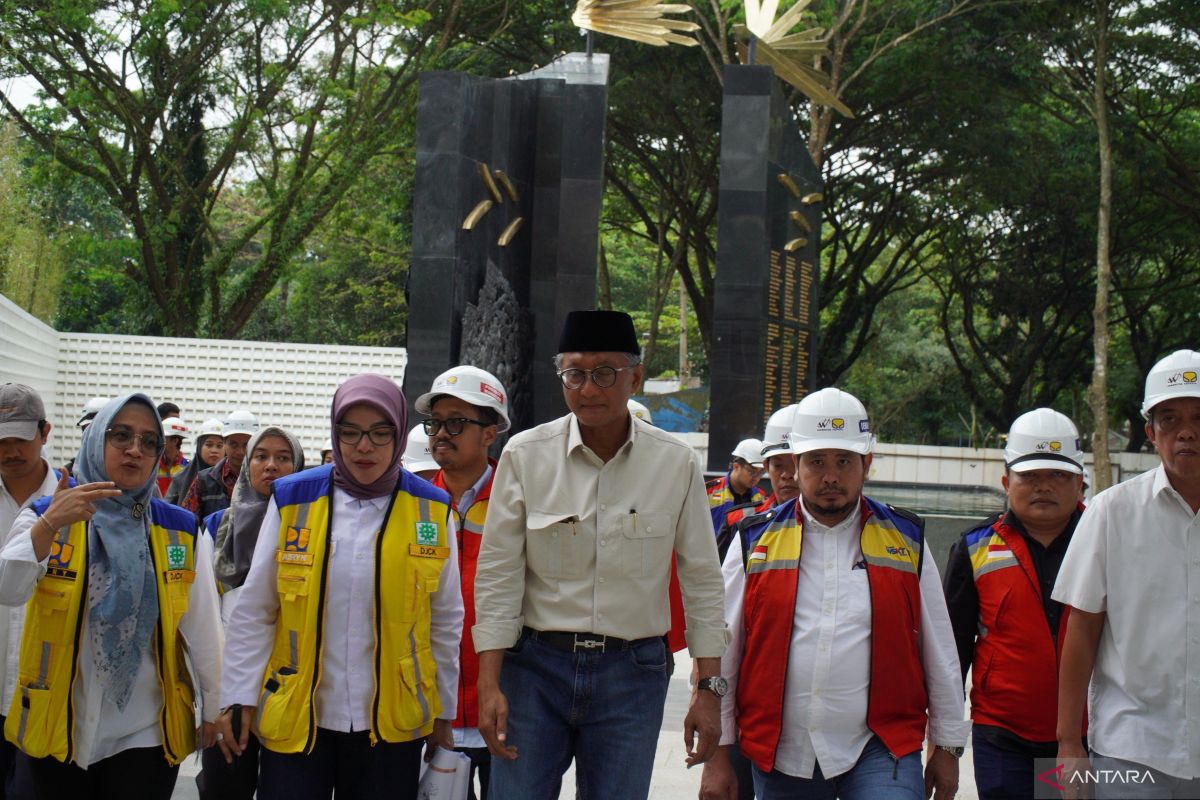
481,765
221,781
16,782
344,763
137,774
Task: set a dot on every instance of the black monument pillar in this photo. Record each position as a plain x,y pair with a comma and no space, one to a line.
506,211
768,237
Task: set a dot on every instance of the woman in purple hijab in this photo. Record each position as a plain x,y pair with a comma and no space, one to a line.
342,651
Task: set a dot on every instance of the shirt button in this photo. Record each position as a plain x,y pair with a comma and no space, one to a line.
603,507
649,528
603,542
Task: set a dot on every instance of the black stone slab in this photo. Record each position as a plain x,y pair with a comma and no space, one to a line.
765,296
545,131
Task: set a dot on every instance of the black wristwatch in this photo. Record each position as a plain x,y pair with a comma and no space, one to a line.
716,684
957,752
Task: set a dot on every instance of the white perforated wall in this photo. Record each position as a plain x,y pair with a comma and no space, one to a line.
282,383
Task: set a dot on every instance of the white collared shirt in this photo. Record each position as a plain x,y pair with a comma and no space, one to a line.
1135,555
12,618
348,645
100,728
575,543
829,660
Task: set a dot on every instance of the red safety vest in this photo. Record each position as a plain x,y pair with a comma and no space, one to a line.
892,543
1015,671
470,534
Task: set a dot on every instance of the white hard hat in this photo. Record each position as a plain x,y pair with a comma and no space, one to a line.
90,409
639,411
417,457
831,420
1177,375
211,427
173,426
327,445
775,437
750,451
472,384
1043,439
240,421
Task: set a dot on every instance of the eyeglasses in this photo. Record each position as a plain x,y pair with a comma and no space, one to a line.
454,426
603,377
379,436
122,438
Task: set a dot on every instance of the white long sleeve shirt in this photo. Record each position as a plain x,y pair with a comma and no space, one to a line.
12,618
347,673
100,728
829,660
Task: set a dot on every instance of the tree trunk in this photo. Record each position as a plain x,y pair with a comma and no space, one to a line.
604,283
1098,391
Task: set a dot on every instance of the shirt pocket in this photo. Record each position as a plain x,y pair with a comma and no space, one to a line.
548,546
857,598
645,545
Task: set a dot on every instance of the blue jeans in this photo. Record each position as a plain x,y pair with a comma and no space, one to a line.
875,776
1001,774
602,709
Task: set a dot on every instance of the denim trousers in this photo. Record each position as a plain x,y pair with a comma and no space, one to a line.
875,776
1001,774
604,710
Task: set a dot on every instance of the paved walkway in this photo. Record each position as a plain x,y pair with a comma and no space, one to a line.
672,779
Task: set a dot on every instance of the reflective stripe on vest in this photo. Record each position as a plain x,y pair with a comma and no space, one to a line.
41,719
892,546
413,546
721,500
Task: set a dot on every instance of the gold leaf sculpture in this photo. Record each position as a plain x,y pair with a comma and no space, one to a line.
640,20
791,55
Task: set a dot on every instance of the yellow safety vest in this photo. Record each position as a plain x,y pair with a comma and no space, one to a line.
409,554
40,720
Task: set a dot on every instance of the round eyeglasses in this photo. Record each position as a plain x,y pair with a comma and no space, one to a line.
604,377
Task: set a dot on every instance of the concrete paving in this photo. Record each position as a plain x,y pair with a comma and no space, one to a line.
672,779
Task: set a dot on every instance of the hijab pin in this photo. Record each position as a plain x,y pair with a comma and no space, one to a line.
138,508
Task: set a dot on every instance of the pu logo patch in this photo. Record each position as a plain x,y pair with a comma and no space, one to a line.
831,424
295,540
176,556
1053,447
898,551
492,391
864,426
60,554
1190,376
427,533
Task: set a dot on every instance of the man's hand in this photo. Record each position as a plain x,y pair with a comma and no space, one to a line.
719,781
703,720
941,774
1074,758
493,721
441,736
230,747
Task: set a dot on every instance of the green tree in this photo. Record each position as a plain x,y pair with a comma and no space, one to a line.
166,105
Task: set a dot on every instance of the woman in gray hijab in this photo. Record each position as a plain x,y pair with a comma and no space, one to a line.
272,453
119,592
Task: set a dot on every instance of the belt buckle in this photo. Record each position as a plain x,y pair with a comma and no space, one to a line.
588,644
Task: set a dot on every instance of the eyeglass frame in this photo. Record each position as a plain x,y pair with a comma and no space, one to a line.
139,438
358,433
591,373
439,424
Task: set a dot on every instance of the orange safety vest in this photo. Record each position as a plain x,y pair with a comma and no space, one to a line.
892,542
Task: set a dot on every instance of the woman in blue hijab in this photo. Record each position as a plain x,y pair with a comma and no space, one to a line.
118,590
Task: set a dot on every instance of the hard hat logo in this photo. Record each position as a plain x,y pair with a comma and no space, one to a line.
1181,378
864,426
831,424
491,391
452,379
